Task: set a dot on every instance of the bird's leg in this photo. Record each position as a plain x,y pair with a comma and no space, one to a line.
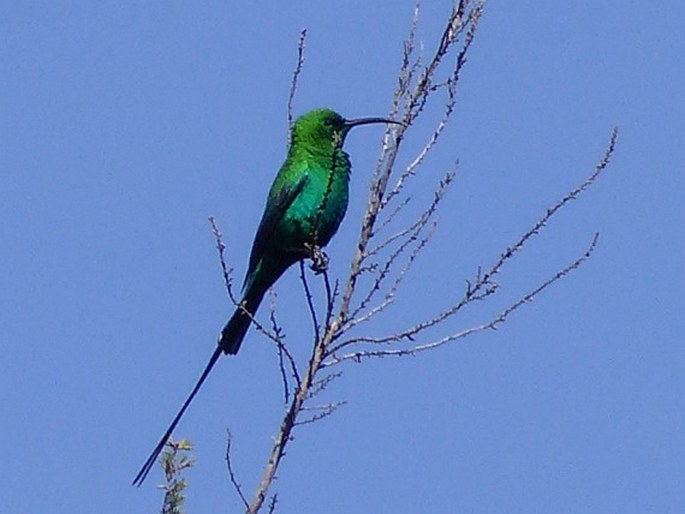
318,257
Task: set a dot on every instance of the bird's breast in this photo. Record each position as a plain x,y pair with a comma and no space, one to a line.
316,213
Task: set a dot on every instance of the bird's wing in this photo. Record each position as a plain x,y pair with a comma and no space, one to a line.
275,209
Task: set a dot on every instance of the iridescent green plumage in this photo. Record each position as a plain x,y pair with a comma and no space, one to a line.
305,206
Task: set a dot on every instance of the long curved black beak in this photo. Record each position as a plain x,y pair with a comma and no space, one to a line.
366,121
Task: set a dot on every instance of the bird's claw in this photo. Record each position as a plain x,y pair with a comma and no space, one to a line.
319,259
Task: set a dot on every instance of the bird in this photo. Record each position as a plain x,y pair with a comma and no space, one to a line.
304,208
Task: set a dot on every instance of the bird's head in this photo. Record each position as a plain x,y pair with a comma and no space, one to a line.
325,126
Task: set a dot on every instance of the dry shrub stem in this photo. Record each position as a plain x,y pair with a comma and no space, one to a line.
383,260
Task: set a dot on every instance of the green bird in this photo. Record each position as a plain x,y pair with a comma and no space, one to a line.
305,206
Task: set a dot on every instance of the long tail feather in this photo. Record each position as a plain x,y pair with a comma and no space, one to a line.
234,332
150,462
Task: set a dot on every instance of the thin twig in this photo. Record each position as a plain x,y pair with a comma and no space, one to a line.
231,474
228,282
331,294
310,301
282,349
272,503
407,236
283,352
221,247
484,285
357,356
296,75
322,411
320,385
389,297
455,26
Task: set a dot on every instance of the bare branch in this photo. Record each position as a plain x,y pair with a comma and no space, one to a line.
272,503
572,195
310,301
407,69
455,27
484,285
331,295
357,356
288,424
283,352
321,384
456,24
390,217
226,271
411,169
422,219
407,237
231,474
389,297
321,412
296,76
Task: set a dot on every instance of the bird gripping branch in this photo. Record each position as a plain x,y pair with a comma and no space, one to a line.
303,211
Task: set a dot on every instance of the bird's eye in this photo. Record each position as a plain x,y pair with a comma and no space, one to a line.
328,122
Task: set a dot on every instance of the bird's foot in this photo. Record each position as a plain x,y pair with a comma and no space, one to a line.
319,258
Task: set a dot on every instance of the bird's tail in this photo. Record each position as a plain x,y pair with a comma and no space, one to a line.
140,477
234,331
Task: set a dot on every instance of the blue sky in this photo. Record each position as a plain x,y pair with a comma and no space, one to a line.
124,126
